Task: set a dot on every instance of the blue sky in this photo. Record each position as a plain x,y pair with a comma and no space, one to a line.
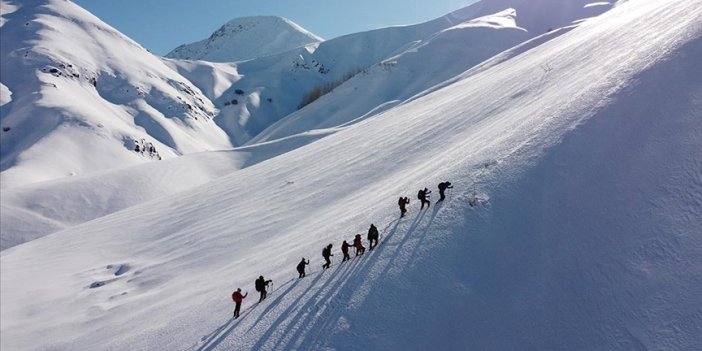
161,25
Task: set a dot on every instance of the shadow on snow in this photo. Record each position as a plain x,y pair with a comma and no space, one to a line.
307,318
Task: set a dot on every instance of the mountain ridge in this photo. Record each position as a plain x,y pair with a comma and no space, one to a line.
107,99
246,38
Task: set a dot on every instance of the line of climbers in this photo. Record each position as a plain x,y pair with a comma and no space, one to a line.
373,235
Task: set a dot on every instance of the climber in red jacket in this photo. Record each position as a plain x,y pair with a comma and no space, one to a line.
237,297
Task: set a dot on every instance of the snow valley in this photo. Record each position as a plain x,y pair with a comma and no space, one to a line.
139,191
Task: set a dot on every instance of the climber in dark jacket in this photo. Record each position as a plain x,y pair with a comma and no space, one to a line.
423,196
326,253
403,202
442,188
301,267
372,236
261,285
345,250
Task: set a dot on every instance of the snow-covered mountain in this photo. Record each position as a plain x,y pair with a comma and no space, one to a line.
107,96
388,65
136,101
33,211
397,78
254,101
247,38
80,97
573,222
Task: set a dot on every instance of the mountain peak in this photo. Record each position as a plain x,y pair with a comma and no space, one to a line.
245,38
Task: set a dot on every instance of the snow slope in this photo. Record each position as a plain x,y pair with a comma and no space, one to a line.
536,16
5,95
464,38
84,95
35,210
247,38
424,64
584,235
213,78
66,202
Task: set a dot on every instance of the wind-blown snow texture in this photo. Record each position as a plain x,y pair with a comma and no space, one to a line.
579,150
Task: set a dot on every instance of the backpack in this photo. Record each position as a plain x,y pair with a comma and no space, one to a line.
420,195
325,252
259,285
